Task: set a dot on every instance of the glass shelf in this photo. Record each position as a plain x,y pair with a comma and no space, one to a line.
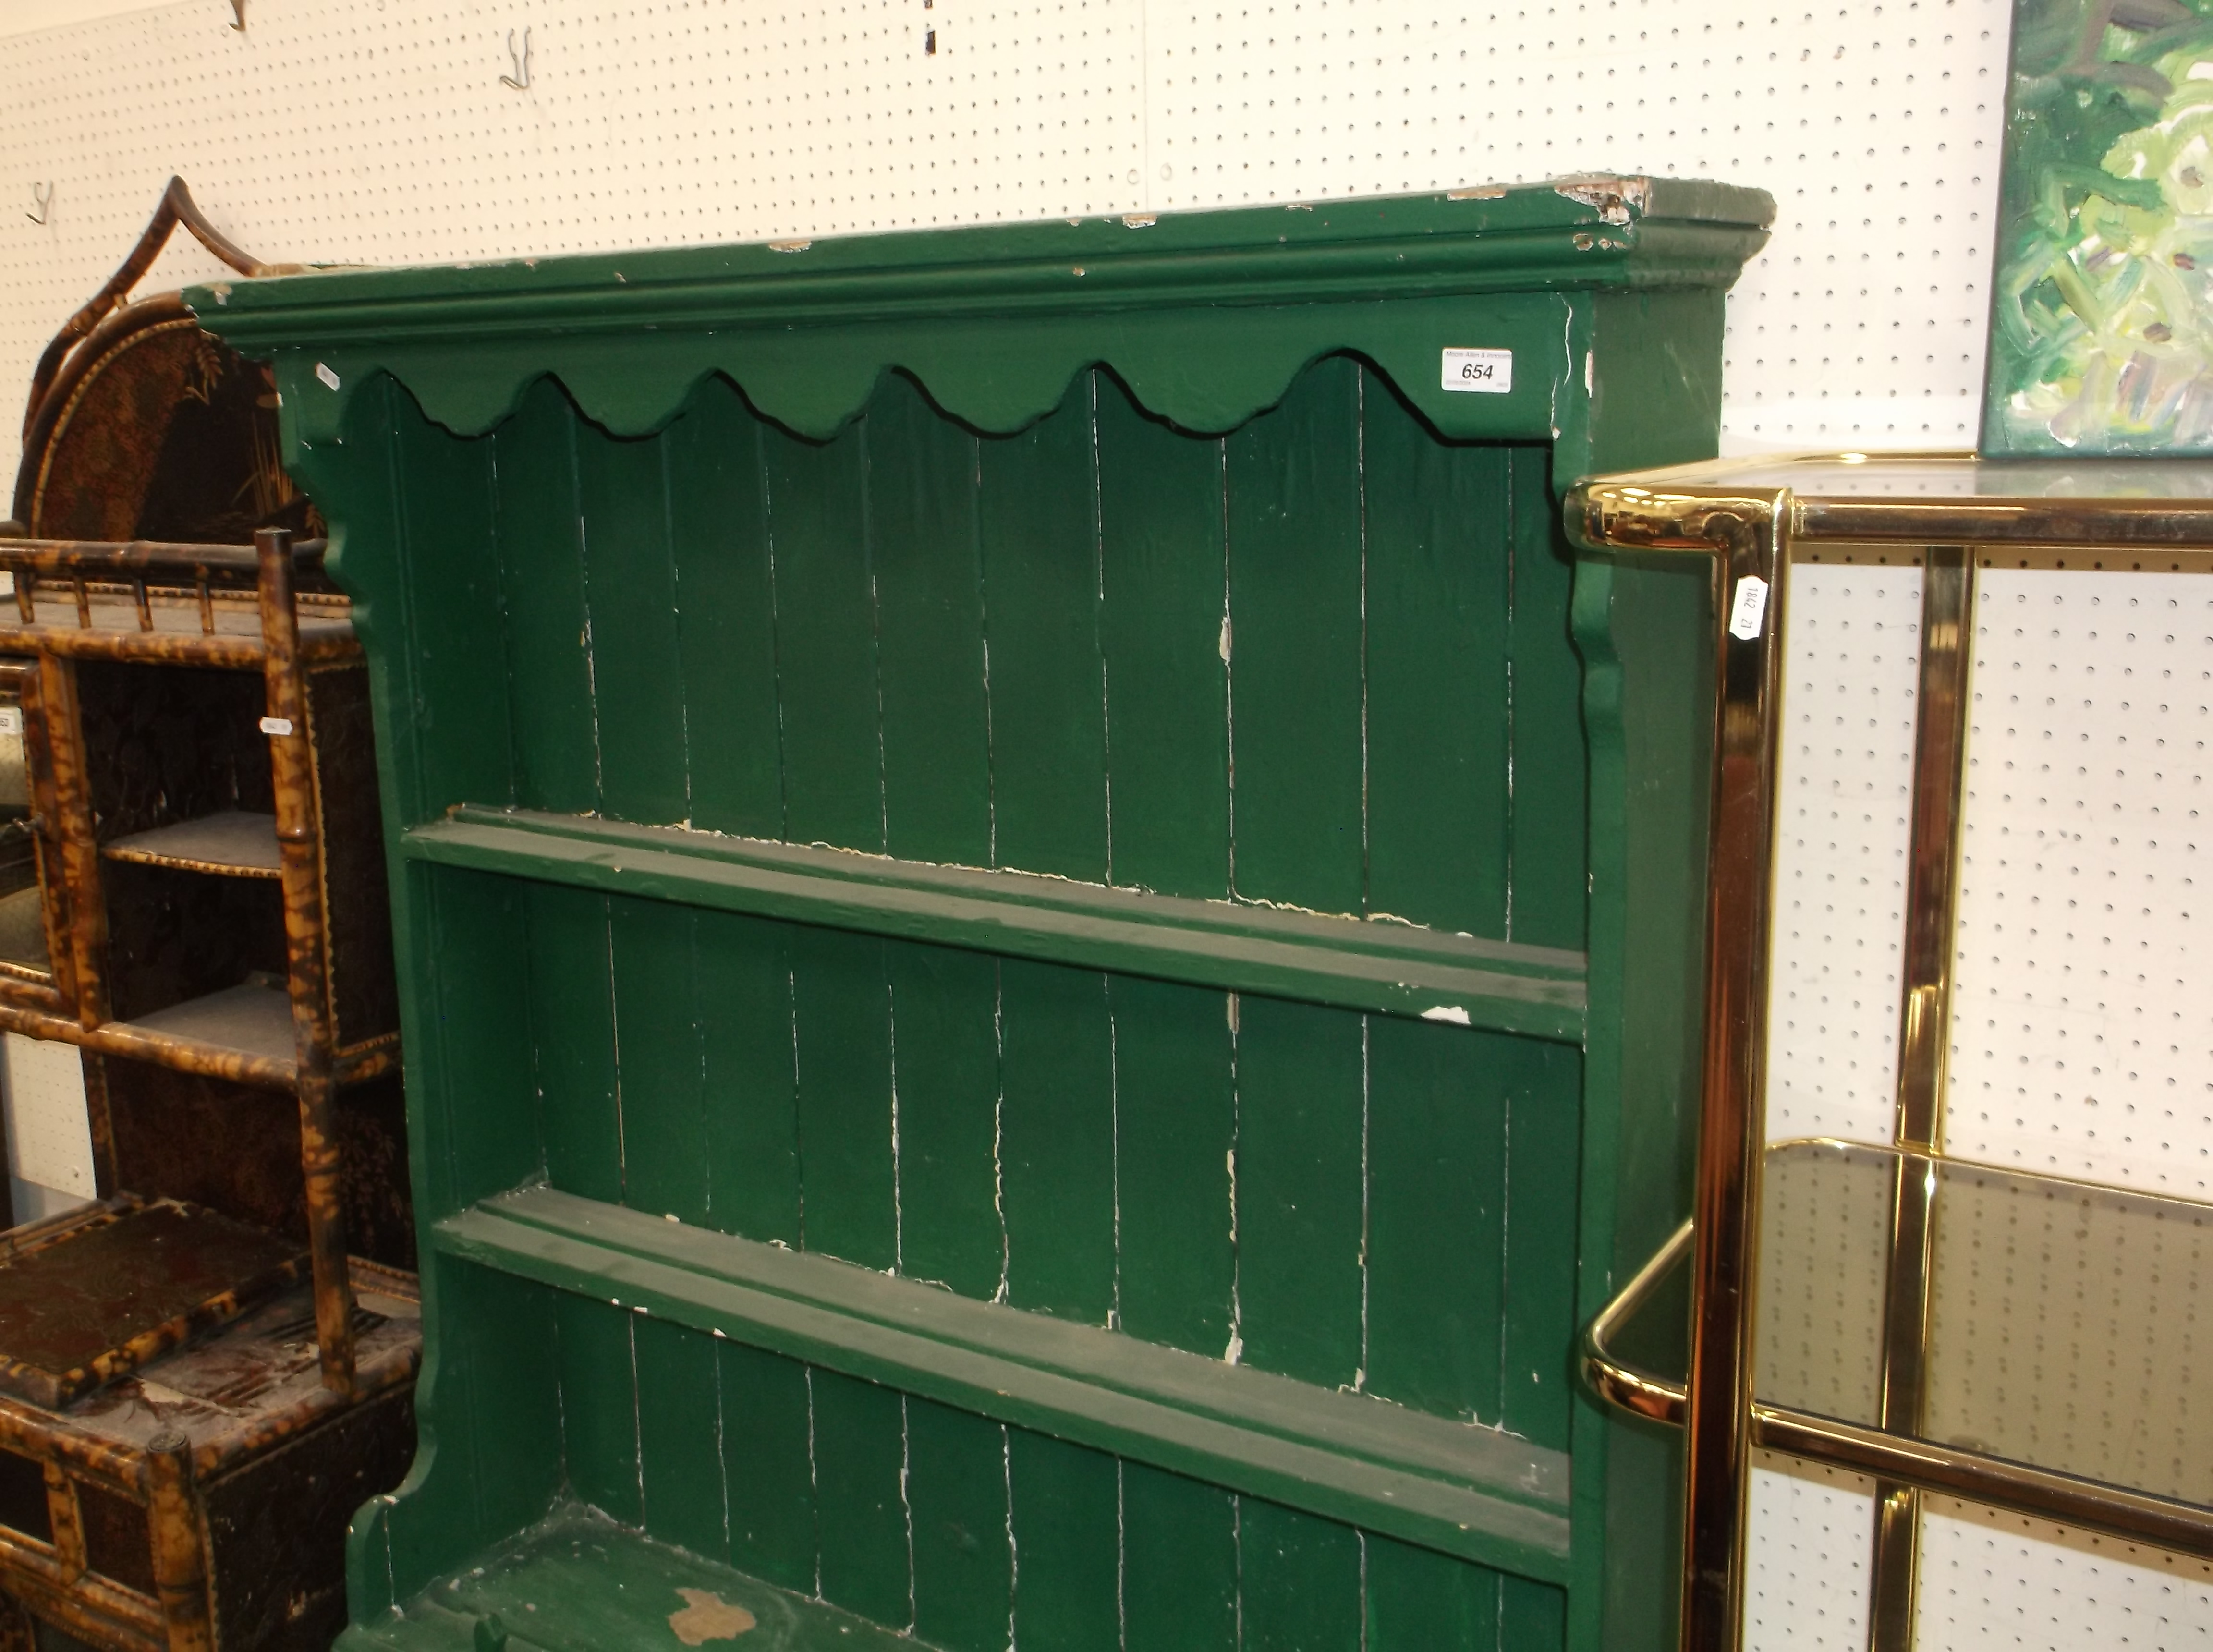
1960,476
2136,509
2066,1344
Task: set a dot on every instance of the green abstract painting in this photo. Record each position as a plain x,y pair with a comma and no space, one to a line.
2101,330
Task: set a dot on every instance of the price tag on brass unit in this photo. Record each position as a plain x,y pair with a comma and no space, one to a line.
1749,612
276,725
11,719
1486,372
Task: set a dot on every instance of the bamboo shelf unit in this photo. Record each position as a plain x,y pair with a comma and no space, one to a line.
198,1384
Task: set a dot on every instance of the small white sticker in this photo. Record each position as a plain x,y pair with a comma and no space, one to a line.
11,719
276,725
1486,372
1749,610
323,372
1451,1013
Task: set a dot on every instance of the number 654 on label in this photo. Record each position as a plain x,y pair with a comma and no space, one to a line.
1485,372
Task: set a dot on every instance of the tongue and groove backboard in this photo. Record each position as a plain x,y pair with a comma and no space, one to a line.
1039,996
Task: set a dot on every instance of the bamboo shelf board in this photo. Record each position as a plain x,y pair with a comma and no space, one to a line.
235,844
55,606
252,1020
175,635
84,1300
23,929
257,1375
577,1582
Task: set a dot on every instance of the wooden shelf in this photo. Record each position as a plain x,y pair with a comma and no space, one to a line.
233,843
1395,969
1475,1492
577,1582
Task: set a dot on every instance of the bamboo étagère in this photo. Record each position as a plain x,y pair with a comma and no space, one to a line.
206,1370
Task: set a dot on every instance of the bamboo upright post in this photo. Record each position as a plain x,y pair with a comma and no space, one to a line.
292,769
179,1561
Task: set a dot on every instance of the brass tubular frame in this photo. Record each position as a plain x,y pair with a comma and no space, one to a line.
1725,1237
1939,756
1701,509
1614,1380
2068,1499
1745,535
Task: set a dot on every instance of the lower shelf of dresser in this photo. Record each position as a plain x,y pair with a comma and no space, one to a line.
578,1582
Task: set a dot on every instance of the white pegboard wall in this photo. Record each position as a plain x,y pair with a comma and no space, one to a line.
2082,1036
378,132
1807,1559
1999,1582
1875,127
49,1138
381,132
1852,640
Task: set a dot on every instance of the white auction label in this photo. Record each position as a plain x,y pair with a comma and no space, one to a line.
1749,612
11,719
276,725
1486,372
328,374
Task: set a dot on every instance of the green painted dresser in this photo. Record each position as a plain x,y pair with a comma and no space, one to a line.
1048,944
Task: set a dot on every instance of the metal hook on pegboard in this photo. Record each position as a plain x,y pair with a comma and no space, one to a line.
521,79
238,11
45,197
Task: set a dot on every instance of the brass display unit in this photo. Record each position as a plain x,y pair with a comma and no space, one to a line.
198,1384
1768,1218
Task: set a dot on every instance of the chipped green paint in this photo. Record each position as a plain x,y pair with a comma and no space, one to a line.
1207,317
1023,868
576,1581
